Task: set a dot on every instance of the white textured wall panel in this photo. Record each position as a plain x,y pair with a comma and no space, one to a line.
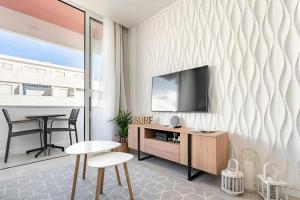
253,50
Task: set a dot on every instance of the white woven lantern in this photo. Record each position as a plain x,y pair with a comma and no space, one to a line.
233,181
269,185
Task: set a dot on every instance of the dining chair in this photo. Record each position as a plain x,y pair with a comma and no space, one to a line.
11,133
71,122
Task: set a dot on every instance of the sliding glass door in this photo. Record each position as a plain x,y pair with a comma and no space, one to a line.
93,35
42,72
50,63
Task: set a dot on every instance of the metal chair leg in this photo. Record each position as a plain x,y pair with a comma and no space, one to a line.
70,136
7,148
41,140
45,143
76,134
50,134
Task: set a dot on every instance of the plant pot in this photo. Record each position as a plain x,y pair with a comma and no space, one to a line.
122,148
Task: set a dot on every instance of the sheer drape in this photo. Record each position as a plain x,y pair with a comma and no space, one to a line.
113,95
119,57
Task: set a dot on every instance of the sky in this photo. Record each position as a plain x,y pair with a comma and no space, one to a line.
17,45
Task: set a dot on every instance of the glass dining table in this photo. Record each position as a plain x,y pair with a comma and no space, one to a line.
44,118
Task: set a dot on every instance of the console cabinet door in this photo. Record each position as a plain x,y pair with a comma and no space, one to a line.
132,137
204,153
184,149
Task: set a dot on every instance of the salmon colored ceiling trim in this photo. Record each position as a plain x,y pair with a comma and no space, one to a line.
52,11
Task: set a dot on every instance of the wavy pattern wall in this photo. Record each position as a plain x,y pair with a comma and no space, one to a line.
253,50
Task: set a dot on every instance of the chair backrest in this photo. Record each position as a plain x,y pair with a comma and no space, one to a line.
73,116
6,115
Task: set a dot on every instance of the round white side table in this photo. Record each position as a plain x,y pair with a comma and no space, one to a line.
85,148
109,159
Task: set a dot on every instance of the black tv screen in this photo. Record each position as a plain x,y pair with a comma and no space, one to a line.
184,91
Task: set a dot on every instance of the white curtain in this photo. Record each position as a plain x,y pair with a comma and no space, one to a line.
113,95
119,57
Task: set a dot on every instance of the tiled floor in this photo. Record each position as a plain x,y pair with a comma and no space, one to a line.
151,179
55,183
205,181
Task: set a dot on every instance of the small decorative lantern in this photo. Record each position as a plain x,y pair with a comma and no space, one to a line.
233,181
269,185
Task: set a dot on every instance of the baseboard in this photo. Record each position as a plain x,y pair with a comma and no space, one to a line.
294,192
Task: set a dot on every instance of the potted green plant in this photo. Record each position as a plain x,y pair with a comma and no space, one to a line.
123,119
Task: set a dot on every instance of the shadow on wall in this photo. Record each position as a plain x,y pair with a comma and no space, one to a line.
240,142
213,100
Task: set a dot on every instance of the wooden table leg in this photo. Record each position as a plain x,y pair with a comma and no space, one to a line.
84,166
75,177
102,181
128,181
97,195
118,175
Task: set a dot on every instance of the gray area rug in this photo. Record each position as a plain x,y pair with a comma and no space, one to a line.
147,184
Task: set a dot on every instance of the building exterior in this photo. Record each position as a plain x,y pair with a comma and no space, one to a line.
25,82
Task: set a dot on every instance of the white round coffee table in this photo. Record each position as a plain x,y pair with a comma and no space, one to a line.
85,148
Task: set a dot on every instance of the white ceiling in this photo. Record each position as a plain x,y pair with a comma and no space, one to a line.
125,12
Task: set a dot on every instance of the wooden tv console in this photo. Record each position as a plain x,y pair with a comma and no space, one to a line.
207,152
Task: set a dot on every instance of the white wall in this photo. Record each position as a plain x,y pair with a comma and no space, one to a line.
23,143
252,48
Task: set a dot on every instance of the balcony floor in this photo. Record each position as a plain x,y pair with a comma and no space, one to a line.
21,159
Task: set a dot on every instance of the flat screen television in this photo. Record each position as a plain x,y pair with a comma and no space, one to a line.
183,91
